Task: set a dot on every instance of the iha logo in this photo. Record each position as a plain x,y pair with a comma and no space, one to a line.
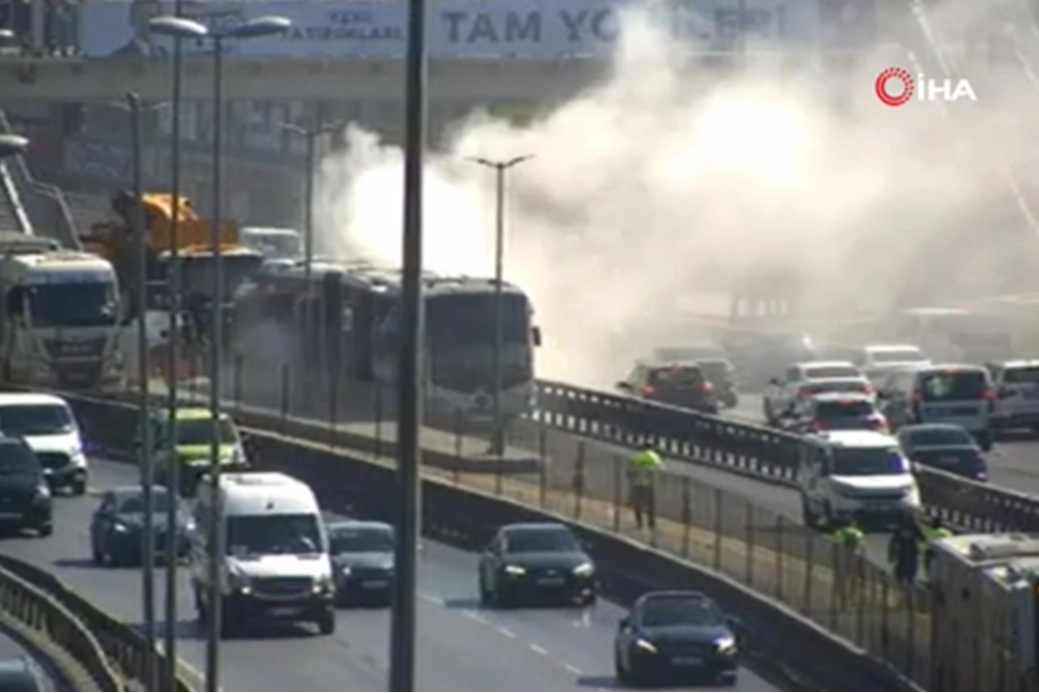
896,87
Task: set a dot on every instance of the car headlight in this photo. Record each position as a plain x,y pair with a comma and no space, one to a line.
515,570
197,462
645,645
726,645
120,527
323,584
584,569
189,524
239,582
345,571
43,490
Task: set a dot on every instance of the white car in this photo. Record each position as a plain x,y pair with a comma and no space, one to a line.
781,394
1017,394
47,424
862,475
879,360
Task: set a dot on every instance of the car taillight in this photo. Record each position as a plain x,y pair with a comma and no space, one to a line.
648,389
818,425
915,398
802,393
989,395
707,388
870,390
879,423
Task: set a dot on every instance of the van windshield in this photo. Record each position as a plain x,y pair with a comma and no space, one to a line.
263,535
953,385
35,419
868,461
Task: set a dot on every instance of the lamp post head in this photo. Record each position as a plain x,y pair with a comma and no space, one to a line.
178,27
270,25
12,145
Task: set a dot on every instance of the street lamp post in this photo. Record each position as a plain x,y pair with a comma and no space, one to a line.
144,450
310,135
179,27
500,167
11,145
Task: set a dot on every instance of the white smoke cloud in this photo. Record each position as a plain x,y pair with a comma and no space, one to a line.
649,194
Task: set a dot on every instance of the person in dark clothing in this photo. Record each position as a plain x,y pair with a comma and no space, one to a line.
904,550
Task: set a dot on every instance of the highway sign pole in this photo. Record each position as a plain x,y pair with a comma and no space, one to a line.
402,633
144,450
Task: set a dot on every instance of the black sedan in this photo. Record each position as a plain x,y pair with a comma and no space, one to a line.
362,561
535,561
22,674
118,527
676,634
947,447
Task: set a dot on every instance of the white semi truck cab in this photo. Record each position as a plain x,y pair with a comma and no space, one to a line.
60,318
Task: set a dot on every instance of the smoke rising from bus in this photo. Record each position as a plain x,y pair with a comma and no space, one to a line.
651,194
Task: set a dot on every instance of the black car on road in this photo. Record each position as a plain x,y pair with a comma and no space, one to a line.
23,674
536,561
25,496
118,527
947,447
676,635
362,561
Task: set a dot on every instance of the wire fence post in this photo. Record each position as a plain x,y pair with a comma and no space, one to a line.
543,484
578,481
333,410
885,616
498,473
836,588
456,473
285,385
377,418
718,539
618,479
749,518
687,515
806,608
237,375
780,548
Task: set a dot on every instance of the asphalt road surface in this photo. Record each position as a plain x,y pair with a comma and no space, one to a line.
461,647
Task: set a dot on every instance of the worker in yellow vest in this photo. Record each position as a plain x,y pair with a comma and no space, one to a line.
642,475
933,530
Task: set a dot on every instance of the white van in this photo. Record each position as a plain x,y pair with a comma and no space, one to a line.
861,475
275,564
47,424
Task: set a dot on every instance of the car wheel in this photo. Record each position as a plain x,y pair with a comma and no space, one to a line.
728,679
624,675
326,625
95,553
200,608
228,624
78,487
486,596
46,529
590,599
985,441
810,519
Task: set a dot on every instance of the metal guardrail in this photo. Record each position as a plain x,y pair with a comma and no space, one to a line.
738,447
39,611
44,203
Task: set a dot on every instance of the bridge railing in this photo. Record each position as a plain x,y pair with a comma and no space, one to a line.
44,203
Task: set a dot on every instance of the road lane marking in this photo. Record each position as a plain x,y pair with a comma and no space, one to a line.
537,648
505,631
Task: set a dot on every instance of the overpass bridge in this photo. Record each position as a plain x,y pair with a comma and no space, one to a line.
86,79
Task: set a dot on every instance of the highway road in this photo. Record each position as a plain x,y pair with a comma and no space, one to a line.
1013,462
461,647
10,649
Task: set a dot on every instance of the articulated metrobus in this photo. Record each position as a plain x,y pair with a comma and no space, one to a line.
348,318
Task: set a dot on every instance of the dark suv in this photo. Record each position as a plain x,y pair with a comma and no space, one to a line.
25,498
678,384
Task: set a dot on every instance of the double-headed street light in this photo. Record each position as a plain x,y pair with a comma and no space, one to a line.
311,136
500,167
181,28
